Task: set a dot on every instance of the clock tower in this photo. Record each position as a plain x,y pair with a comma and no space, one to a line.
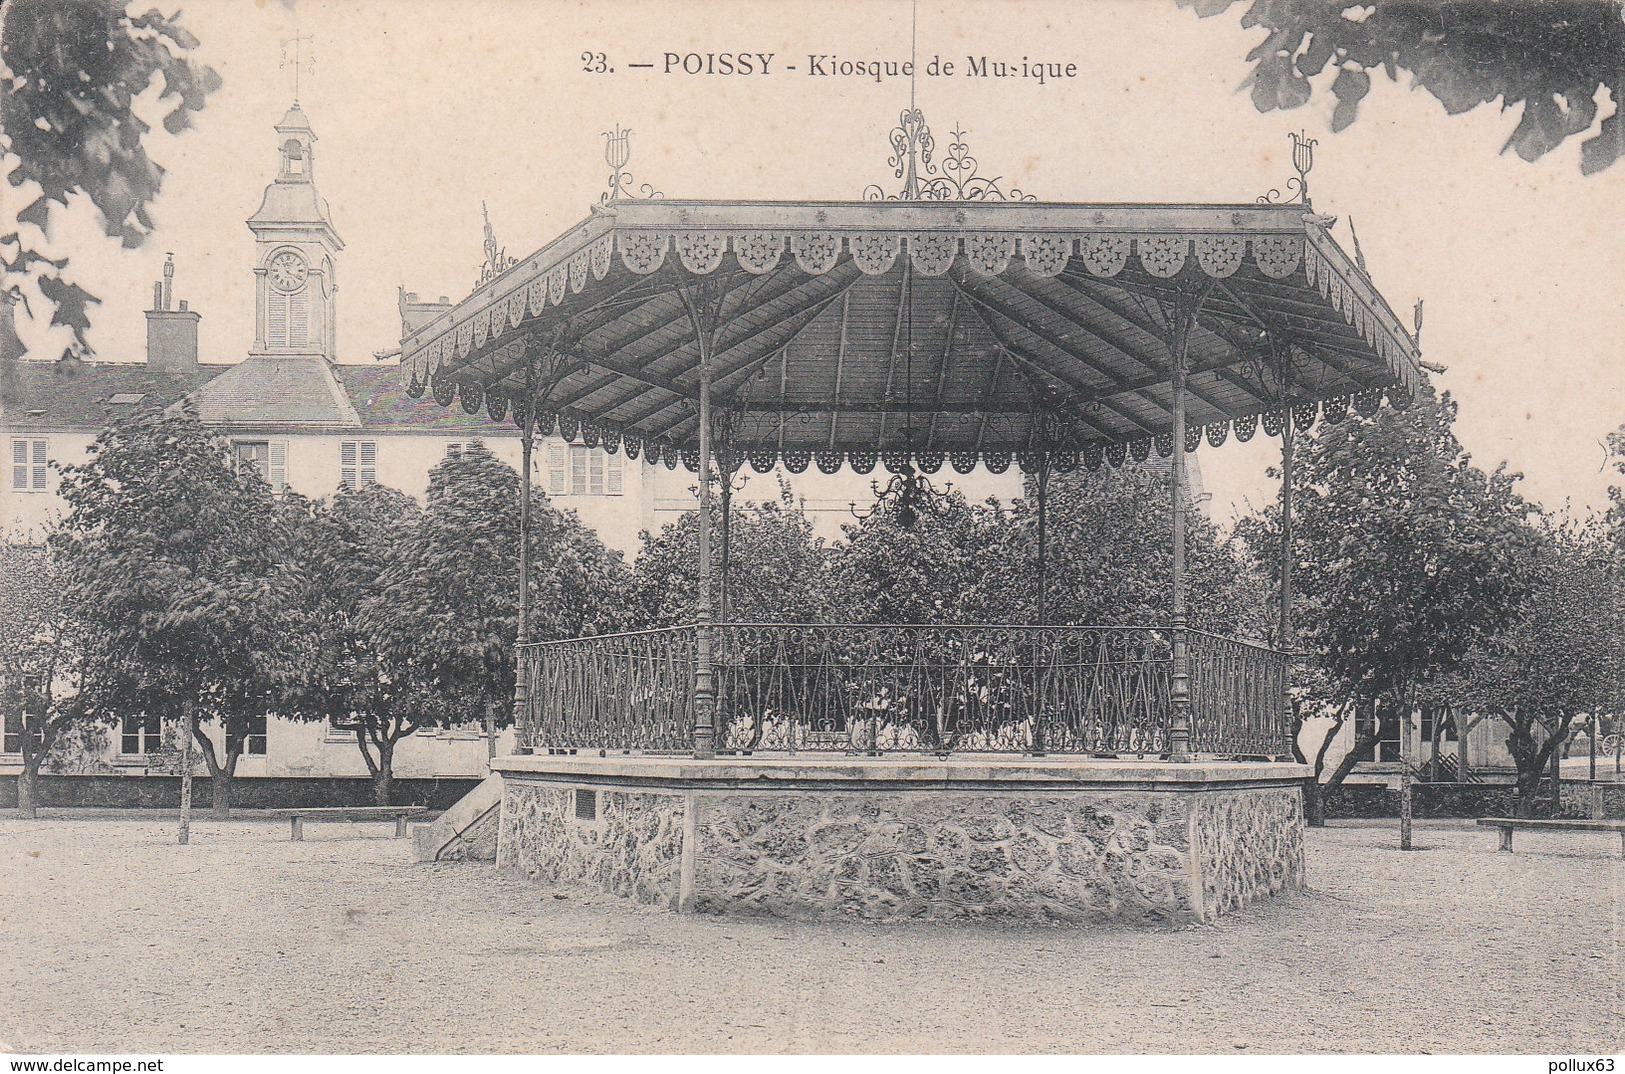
294,246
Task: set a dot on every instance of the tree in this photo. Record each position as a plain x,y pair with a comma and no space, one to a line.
352,679
1110,555
179,568
1314,695
1556,58
68,125
930,569
779,570
39,664
1553,662
1410,558
453,586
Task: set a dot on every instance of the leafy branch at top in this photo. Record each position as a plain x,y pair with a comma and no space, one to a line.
1554,58
73,70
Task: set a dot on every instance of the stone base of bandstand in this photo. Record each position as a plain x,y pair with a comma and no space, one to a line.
1025,839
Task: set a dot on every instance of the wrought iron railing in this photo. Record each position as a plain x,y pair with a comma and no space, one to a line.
630,691
1238,697
942,688
883,688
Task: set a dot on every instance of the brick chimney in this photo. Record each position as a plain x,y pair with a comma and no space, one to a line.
171,333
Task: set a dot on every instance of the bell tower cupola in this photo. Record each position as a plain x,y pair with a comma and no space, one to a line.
295,291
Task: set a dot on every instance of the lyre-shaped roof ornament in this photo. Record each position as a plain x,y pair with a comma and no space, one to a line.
617,154
1303,162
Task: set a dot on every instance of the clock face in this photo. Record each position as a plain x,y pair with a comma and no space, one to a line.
288,271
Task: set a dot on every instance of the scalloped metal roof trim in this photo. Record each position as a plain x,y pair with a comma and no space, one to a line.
1103,254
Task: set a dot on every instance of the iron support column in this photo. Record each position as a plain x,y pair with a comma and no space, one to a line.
702,300
1284,625
724,588
521,681
1043,541
1283,633
1041,646
1179,730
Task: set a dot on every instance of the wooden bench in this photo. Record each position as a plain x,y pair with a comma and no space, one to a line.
1507,824
398,814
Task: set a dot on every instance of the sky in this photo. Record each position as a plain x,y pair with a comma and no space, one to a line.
424,110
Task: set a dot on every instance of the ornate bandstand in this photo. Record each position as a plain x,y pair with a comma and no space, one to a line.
1034,770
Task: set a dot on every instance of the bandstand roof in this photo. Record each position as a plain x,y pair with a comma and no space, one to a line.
940,330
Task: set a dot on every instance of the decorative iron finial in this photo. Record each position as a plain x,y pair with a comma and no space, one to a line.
1417,317
617,153
497,260
911,161
1303,161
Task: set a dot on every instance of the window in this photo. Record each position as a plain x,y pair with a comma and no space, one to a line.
358,463
28,465
13,738
268,458
254,745
140,734
454,449
578,470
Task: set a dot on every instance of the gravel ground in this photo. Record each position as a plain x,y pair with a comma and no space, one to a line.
119,940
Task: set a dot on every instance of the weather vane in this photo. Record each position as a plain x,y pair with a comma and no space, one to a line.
298,58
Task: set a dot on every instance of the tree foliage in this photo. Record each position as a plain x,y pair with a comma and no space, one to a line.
1555,58
1110,555
1411,555
351,678
180,569
451,586
1553,662
1109,561
68,125
935,570
40,663
779,570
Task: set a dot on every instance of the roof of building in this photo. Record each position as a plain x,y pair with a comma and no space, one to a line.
378,393
295,393
79,395
292,203
266,390
294,119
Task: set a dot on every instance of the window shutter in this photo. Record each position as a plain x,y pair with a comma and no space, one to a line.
347,459
299,318
556,469
612,475
19,464
39,465
276,320
277,473
595,472
369,462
